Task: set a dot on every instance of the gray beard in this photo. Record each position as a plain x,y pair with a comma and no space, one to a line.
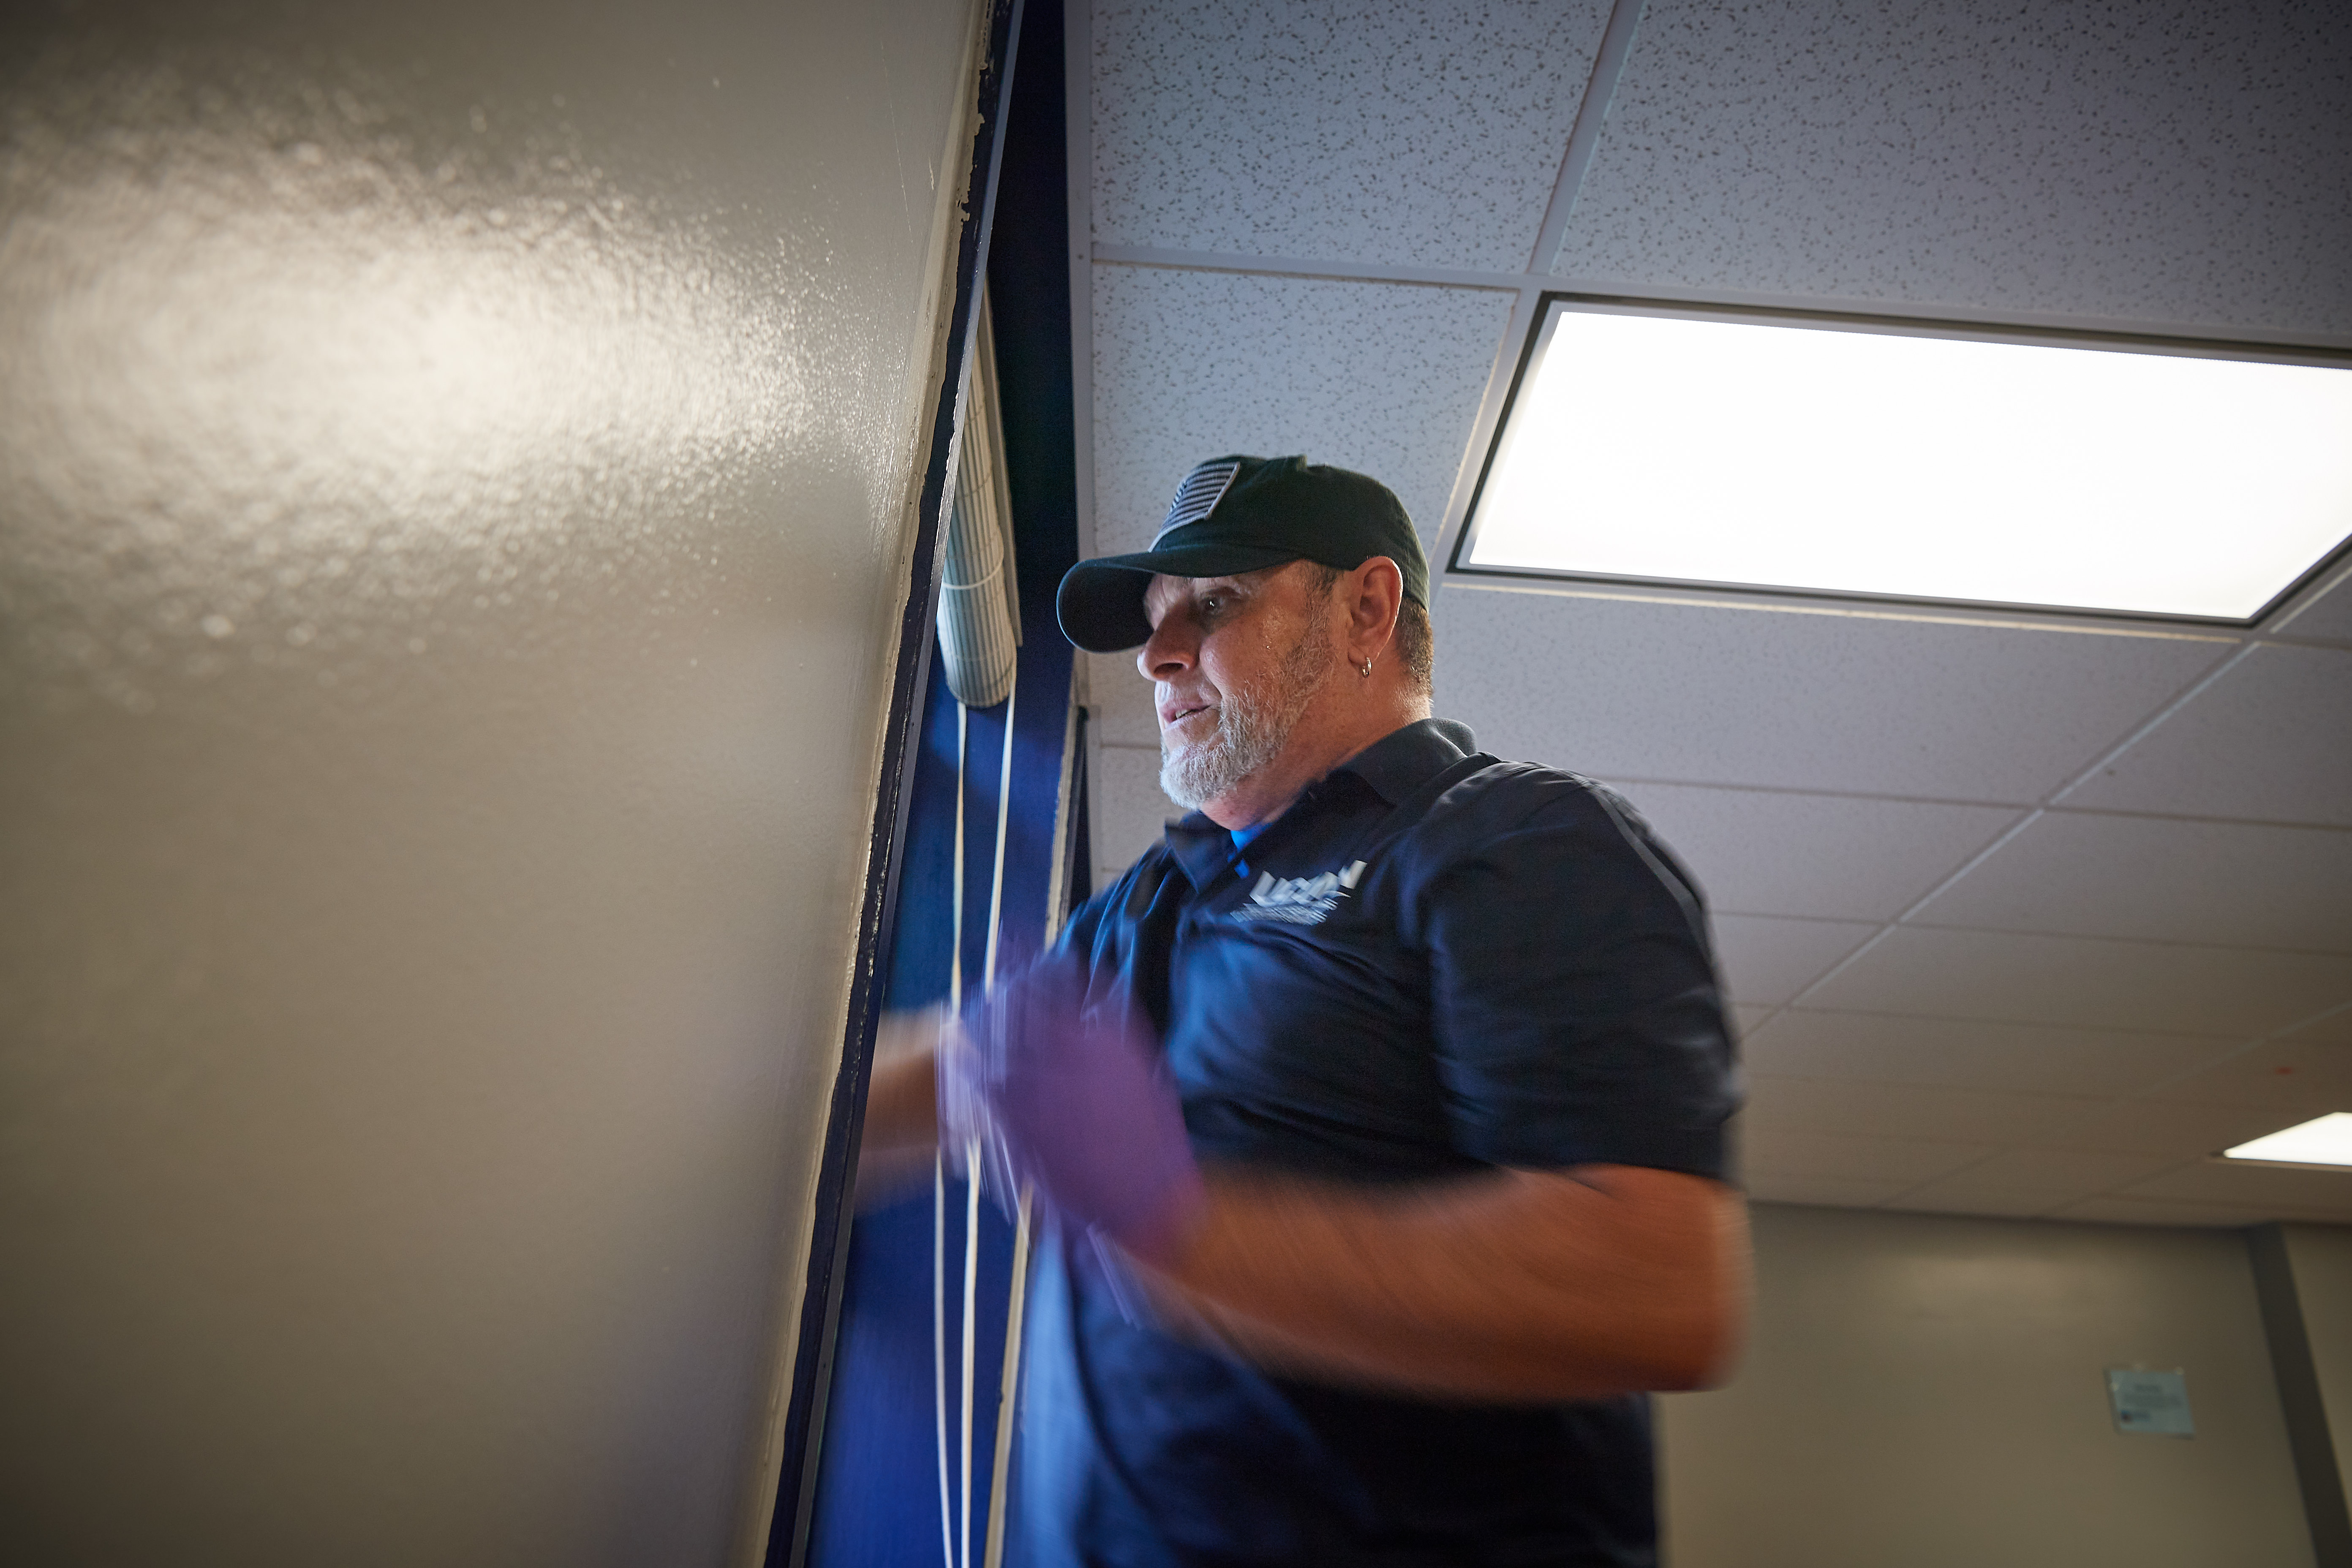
1253,727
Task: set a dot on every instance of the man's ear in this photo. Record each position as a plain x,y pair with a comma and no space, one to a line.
1372,612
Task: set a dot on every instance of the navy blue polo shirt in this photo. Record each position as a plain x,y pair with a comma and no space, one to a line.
1434,964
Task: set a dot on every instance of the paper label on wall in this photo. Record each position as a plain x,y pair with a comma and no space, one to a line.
2152,1401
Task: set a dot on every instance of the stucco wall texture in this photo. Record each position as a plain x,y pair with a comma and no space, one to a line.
455,470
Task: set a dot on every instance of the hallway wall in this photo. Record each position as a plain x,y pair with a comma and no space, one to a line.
456,464
1929,1390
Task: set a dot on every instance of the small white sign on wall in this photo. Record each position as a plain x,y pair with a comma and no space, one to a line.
2154,1403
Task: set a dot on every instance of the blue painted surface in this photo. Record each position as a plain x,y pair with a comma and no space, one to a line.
878,1481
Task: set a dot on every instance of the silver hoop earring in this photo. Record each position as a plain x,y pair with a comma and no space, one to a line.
1368,670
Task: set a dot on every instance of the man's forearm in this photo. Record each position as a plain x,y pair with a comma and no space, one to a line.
1527,1285
1517,1285
902,1110
902,1107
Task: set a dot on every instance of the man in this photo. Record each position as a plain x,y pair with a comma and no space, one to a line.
1380,1103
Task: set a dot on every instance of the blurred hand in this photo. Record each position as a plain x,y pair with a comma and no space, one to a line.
1078,1101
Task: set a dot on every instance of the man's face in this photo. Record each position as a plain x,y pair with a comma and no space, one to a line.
1236,660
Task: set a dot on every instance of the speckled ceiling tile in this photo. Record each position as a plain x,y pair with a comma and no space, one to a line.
2176,162
1380,377
2328,618
1765,697
1401,134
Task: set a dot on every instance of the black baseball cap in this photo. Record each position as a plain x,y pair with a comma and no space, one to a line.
1238,514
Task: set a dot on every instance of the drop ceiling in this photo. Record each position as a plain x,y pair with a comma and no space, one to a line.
2023,915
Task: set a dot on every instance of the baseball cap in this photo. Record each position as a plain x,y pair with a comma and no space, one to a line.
1236,514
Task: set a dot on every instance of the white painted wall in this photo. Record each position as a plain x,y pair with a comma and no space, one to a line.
456,466
1928,1391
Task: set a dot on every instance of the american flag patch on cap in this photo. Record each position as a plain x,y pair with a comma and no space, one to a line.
1198,496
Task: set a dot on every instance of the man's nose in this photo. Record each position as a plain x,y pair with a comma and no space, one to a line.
1167,653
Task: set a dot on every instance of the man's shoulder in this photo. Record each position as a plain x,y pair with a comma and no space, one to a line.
1489,793
1541,816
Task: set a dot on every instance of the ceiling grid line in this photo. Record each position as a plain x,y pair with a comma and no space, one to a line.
1343,270
1783,602
2149,725
2273,1038
1339,249
2027,820
1827,793
1524,311
1584,136
2148,1093
1576,160
2071,936
2114,1189
1897,1200
1316,269
2314,592
2204,818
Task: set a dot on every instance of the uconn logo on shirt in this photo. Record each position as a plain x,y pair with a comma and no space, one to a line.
1299,901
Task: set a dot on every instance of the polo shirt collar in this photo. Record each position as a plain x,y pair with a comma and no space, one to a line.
1203,850
1393,766
1403,760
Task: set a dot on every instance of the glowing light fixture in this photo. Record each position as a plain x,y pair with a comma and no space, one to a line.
2324,1141
1915,461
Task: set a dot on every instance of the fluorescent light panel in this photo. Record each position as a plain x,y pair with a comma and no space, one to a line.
1807,458
2328,1141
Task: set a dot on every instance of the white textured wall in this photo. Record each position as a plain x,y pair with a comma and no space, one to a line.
455,465
1928,1391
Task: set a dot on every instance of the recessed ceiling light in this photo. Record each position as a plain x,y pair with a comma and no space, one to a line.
1915,461
2325,1141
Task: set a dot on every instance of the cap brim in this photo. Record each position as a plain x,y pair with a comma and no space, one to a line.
1101,603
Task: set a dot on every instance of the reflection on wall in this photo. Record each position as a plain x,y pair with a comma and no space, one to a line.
454,466
266,377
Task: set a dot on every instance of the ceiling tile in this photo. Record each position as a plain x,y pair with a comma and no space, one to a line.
1746,1021
1766,960
1802,1105
1825,1191
1771,1154
2115,161
2085,983
1425,134
2313,1191
1973,1054
1935,1198
2271,739
1379,377
1775,853
2153,1211
2183,1131
1126,811
2296,1077
1120,700
2328,618
2219,883
2330,1028
2033,1180
1628,690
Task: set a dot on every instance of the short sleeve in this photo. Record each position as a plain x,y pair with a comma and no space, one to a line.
1575,1003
